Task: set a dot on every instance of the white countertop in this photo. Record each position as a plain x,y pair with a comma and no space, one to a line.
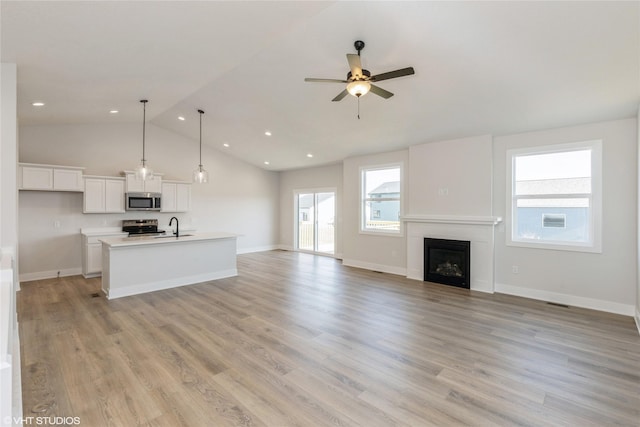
106,231
102,231
115,242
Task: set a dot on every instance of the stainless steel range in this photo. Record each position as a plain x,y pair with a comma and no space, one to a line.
141,227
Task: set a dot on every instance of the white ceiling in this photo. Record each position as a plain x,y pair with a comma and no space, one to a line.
481,68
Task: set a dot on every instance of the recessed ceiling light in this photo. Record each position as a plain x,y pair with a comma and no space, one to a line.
113,112
37,104
181,118
266,163
309,155
226,145
267,133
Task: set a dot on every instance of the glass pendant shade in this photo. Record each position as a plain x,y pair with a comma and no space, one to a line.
200,176
358,88
144,172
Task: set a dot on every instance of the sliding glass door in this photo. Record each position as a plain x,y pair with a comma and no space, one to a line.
315,229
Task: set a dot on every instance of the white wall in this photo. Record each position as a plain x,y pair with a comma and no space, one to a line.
239,198
603,281
374,252
8,156
451,177
10,377
637,314
308,179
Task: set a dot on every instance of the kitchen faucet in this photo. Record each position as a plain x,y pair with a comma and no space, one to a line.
177,233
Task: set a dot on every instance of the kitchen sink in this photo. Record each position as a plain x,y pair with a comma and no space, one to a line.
171,236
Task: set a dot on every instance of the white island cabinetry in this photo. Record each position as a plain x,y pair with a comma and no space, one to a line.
136,265
103,194
176,196
92,248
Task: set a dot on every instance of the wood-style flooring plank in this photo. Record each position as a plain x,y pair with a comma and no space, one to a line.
300,340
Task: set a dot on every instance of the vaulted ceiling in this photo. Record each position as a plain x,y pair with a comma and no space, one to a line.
480,68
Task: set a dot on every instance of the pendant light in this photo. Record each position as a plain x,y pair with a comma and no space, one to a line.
143,172
200,175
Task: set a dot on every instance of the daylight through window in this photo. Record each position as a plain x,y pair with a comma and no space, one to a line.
381,197
555,196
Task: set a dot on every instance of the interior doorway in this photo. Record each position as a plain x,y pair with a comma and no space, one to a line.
315,225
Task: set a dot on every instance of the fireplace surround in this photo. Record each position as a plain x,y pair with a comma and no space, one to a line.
447,262
479,230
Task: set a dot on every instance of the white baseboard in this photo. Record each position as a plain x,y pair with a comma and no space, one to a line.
257,249
52,274
637,318
168,284
290,248
572,300
401,271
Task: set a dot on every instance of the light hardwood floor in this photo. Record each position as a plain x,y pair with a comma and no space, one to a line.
300,340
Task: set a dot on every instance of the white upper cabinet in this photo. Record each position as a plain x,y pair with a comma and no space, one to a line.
114,195
103,195
94,195
138,186
36,178
67,180
176,196
50,177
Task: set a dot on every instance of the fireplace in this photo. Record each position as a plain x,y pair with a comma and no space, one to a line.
447,262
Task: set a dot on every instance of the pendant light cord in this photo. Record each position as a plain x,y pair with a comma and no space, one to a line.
201,113
144,122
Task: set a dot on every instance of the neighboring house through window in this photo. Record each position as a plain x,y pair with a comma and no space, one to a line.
555,196
381,199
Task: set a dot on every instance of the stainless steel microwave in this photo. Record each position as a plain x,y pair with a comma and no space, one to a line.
143,201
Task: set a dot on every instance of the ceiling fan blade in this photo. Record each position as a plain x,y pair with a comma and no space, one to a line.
354,64
309,79
392,74
381,92
340,96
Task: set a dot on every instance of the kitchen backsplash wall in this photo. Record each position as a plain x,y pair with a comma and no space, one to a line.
239,197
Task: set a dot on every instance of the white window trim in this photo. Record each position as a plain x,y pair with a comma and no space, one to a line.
595,221
361,211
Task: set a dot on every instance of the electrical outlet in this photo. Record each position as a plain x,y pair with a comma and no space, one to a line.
56,224
443,191
515,269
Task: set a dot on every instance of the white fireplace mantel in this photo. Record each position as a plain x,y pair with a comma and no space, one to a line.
453,219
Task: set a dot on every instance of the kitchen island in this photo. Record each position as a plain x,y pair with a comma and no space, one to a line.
135,265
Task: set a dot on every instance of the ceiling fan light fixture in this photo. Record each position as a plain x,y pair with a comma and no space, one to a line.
358,88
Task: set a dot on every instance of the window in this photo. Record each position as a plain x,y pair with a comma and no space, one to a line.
381,199
555,196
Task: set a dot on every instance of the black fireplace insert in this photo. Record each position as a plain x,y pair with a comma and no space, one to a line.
447,262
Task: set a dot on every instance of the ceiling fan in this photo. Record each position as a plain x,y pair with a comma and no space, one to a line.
359,81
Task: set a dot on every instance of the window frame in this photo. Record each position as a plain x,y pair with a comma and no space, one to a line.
363,200
594,244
